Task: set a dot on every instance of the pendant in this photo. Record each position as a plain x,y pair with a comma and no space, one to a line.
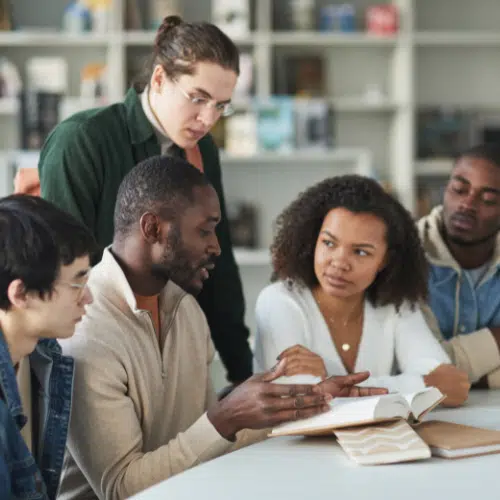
345,347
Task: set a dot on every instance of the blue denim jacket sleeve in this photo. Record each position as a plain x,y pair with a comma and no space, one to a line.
4,479
19,474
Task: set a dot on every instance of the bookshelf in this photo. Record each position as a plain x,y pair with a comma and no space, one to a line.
446,52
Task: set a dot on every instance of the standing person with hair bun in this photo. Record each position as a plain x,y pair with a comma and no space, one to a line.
186,88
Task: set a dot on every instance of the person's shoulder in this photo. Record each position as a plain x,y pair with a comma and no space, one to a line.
96,125
283,292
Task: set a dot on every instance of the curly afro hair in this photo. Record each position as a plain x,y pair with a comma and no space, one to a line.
405,276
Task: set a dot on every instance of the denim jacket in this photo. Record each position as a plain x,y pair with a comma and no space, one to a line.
463,313
24,475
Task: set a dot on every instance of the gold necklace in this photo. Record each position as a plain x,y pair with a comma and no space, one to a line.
331,321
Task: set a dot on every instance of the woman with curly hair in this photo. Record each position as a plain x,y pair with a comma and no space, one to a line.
349,273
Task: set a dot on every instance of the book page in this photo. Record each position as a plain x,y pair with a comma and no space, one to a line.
422,402
348,412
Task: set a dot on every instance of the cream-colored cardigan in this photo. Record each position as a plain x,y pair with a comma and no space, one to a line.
138,413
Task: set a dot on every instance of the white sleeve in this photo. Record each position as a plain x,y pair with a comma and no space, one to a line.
417,353
281,323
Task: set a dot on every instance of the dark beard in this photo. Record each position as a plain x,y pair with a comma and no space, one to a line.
177,264
472,243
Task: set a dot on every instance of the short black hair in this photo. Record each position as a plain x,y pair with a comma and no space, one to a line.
405,276
162,184
488,151
37,238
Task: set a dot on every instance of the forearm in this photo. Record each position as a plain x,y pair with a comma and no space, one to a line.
476,353
118,470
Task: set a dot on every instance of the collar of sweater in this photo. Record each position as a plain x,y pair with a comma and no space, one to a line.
164,140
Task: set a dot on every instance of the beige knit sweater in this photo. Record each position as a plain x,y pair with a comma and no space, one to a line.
138,412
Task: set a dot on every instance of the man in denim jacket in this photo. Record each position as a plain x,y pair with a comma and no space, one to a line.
44,265
462,243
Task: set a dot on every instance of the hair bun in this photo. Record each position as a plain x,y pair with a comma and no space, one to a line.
168,23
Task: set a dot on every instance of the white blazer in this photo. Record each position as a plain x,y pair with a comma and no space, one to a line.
397,348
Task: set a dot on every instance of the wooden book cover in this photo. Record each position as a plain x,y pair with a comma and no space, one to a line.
450,440
383,444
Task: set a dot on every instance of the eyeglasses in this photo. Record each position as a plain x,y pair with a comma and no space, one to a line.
79,287
223,108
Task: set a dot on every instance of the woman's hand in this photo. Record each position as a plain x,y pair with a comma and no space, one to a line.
452,382
300,361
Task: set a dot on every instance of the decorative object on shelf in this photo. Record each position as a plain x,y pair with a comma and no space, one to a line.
275,124
313,124
77,17
302,15
382,19
5,15
338,18
46,83
93,82
10,79
241,134
232,17
159,9
373,94
242,219
302,76
100,15
443,132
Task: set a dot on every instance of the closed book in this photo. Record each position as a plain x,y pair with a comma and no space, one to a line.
450,440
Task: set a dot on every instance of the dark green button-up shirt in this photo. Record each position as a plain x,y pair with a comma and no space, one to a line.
81,167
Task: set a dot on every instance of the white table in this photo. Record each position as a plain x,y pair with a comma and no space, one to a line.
314,468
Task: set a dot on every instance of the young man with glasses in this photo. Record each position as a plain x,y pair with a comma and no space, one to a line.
187,87
44,267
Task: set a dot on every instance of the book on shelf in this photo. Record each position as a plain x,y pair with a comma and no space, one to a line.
451,440
350,412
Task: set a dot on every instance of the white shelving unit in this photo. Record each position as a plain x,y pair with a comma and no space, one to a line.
447,52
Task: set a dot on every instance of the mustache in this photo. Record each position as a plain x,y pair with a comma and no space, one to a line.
465,214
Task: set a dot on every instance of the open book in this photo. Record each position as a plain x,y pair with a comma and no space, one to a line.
349,412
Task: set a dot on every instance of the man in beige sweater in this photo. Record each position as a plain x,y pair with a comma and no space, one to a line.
462,242
142,354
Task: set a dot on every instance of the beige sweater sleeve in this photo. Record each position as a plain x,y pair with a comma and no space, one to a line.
245,437
476,353
108,450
